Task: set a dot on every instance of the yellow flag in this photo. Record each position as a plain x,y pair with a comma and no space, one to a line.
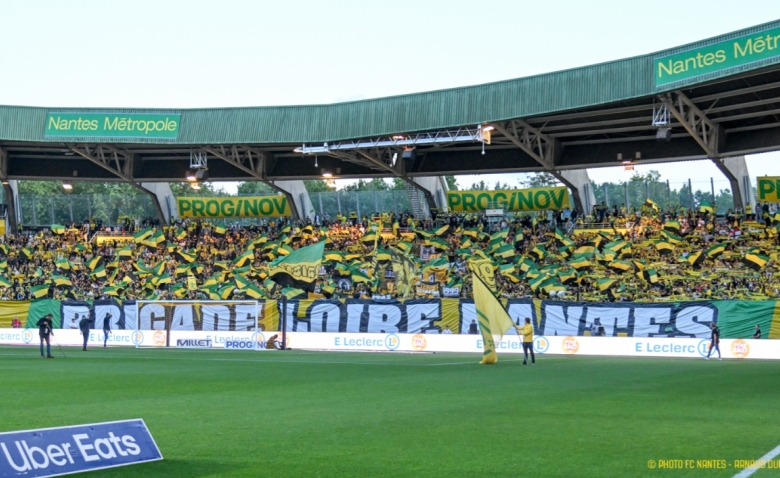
493,319
485,270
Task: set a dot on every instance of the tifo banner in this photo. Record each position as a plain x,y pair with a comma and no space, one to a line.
768,188
760,46
736,319
356,315
249,206
112,125
198,316
534,199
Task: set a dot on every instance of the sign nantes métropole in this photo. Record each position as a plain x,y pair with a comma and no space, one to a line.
249,206
113,125
720,56
534,199
66,450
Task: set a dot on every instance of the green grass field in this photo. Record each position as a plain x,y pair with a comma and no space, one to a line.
296,413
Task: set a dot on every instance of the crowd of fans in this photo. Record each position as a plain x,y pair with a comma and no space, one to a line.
611,254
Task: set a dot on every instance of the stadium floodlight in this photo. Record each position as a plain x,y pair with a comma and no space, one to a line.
5,182
191,176
195,186
327,175
663,134
66,185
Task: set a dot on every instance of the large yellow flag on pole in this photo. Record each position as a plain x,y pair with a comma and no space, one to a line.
494,321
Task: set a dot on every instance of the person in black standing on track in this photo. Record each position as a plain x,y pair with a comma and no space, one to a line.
85,324
44,331
106,328
473,330
714,341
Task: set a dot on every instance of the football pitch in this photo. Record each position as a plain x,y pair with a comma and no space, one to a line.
296,413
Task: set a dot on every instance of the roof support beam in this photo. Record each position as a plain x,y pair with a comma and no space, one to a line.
244,158
707,133
252,162
107,157
543,148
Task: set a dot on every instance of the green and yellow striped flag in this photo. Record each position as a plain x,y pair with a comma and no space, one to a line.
442,231
58,229
605,284
4,282
93,263
650,275
99,273
696,258
125,253
293,293
405,247
244,259
716,250
673,227
61,281
142,235
506,251
39,291
539,252
664,248
299,269
567,277
247,287
437,243
335,256
672,238
493,319
184,256
755,260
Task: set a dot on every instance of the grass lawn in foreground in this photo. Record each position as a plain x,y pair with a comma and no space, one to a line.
297,413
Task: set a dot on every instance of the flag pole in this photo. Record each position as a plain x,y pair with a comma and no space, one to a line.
284,322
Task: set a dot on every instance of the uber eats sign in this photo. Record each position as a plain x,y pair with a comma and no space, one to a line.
113,125
764,45
534,199
249,206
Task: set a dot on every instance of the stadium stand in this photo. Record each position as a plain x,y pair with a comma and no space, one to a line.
611,254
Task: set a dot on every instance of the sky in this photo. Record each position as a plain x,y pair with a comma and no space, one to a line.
199,54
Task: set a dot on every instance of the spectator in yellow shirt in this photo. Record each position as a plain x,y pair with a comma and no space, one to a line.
527,331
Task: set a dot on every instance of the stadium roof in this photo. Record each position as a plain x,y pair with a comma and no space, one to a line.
576,118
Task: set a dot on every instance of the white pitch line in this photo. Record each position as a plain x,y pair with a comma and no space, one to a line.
750,470
258,360
461,363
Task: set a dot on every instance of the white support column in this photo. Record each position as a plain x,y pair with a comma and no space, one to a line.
434,188
581,188
736,171
161,195
11,191
296,190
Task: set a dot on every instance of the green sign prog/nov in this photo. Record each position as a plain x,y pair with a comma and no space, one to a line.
720,56
112,125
